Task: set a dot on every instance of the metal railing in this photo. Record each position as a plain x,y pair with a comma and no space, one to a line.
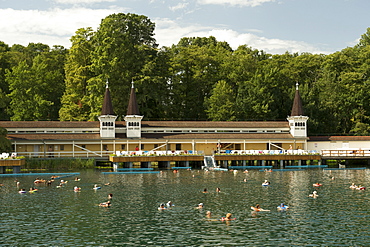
345,153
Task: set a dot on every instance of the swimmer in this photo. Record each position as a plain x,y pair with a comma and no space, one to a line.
258,208
314,194
32,189
218,189
110,196
162,207
105,204
96,187
361,188
266,183
244,180
208,214
22,191
76,189
169,204
228,217
205,190
353,186
317,185
77,179
200,206
282,207
245,171
107,184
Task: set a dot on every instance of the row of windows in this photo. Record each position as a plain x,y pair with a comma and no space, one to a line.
299,124
108,124
133,124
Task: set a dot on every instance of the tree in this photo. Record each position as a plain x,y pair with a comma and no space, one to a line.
122,46
195,67
221,104
5,144
78,72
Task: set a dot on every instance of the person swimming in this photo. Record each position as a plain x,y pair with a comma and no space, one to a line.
314,194
208,214
283,207
218,189
205,190
169,204
227,217
77,189
258,208
110,196
200,206
317,185
266,183
162,207
353,186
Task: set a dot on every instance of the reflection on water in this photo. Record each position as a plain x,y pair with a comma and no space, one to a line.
61,217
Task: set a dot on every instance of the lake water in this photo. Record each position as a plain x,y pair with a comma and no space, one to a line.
61,217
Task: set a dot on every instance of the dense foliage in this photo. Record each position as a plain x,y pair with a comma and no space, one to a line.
199,78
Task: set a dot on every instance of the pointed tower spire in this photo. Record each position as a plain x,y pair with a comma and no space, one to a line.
297,120
107,108
133,118
133,107
297,109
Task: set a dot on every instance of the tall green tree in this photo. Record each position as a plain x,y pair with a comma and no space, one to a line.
77,73
196,67
220,106
4,87
122,46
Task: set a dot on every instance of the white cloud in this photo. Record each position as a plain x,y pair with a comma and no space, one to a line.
52,27
57,26
178,6
233,38
249,3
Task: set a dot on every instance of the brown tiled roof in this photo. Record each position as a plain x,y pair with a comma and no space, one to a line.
49,124
297,109
133,107
107,108
42,136
153,124
265,136
216,124
339,138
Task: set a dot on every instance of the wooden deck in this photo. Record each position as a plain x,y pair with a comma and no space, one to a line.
12,162
172,158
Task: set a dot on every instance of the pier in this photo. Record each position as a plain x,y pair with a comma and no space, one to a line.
229,160
15,164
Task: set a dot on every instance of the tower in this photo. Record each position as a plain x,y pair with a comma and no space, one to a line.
107,118
133,118
297,120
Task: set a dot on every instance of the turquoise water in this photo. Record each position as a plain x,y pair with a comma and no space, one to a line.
61,217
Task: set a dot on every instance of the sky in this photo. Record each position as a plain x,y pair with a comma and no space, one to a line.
274,26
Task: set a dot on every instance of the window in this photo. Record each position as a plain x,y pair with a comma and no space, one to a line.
61,147
123,146
178,146
142,146
155,145
105,147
